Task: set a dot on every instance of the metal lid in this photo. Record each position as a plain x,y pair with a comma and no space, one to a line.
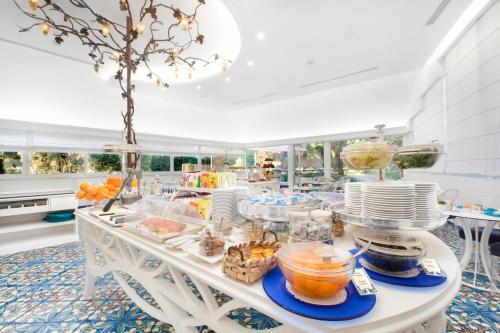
390,243
317,258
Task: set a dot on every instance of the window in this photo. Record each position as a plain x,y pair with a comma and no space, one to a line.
180,160
11,163
309,160
250,158
280,161
155,163
47,163
206,163
340,170
104,163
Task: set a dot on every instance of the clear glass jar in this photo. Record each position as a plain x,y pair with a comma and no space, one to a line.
313,225
211,243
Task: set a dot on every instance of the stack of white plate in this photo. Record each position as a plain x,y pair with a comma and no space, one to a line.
388,200
241,193
426,200
224,204
352,198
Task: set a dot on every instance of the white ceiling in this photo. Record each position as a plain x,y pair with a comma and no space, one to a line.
373,38
363,54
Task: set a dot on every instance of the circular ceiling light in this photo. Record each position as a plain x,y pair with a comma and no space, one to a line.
261,36
221,37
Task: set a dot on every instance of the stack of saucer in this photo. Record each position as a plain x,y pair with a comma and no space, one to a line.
223,204
352,198
426,200
388,200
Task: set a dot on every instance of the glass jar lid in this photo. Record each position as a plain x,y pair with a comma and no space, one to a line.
425,148
370,146
390,243
317,258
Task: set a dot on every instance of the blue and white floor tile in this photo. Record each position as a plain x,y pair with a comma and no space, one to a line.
41,291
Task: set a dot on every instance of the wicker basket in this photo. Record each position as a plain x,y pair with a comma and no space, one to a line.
250,270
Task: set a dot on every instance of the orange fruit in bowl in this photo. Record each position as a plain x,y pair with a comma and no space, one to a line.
110,187
89,196
80,194
92,190
84,186
116,182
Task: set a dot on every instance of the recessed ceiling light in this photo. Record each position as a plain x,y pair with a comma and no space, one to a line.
250,63
261,36
198,87
227,79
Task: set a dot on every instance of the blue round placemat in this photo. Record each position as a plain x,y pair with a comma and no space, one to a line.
421,280
354,306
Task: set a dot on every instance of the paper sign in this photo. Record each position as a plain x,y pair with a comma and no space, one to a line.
363,283
431,267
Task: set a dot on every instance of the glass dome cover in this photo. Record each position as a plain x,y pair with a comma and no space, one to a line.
390,243
318,259
424,148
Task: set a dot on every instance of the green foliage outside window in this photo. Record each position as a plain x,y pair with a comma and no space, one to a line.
104,163
11,163
56,163
180,160
155,163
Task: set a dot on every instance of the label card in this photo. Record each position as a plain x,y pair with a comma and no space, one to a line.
363,283
431,267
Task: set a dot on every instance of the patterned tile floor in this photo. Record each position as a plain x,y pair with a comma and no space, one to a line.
41,290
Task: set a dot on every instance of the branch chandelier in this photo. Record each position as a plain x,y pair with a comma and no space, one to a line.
130,44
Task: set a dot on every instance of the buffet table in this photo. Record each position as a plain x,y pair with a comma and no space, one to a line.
398,309
467,220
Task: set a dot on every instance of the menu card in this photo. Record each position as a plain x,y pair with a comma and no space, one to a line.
363,283
431,267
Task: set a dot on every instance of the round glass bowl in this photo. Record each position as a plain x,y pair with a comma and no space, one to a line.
368,155
316,270
390,253
418,156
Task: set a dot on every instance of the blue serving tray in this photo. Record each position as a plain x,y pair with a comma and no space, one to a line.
353,307
421,280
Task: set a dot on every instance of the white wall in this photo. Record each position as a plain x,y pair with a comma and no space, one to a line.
460,107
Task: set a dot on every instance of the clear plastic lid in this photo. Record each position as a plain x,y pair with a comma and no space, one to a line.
390,243
370,146
317,258
425,148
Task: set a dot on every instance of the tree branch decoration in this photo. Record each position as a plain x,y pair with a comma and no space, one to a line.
130,44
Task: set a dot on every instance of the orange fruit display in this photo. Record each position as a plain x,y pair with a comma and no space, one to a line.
116,182
99,192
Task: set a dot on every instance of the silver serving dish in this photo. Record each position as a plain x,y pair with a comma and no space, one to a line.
340,214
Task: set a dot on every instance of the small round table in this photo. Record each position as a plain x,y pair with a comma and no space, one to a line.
466,220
